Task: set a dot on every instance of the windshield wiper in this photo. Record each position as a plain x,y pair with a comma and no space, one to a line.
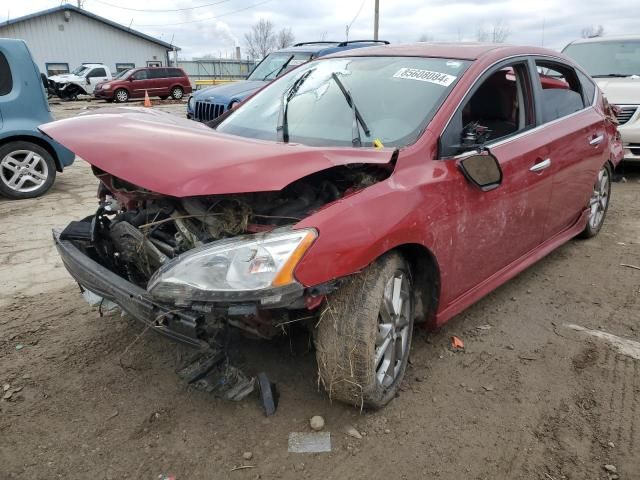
279,69
357,118
610,75
282,128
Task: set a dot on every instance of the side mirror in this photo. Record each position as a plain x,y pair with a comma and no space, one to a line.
483,170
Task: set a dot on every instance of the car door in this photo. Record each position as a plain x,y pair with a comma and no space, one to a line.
139,83
155,81
499,227
576,136
94,77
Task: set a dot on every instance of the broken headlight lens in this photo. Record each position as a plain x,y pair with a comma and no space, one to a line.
240,264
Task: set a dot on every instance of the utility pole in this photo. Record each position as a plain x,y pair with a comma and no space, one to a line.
376,20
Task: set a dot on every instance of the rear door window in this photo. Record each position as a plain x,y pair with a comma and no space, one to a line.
156,73
6,80
588,88
560,91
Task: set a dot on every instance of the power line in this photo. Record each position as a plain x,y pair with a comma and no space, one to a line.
160,10
205,19
357,15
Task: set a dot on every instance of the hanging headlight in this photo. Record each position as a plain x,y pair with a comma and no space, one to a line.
244,264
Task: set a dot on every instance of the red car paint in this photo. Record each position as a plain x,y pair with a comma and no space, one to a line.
477,239
191,159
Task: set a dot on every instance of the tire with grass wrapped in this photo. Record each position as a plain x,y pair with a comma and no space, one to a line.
364,334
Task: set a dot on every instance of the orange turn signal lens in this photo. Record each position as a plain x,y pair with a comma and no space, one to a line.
285,275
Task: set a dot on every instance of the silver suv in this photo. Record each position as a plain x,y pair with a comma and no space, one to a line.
614,62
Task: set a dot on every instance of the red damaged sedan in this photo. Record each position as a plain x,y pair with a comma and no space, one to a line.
359,194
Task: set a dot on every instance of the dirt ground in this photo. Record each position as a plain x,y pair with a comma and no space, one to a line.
529,398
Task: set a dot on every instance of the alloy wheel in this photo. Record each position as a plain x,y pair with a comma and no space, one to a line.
599,199
392,339
23,171
122,96
177,93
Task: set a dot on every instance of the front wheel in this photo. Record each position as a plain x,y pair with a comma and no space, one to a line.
364,334
599,202
26,170
177,93
121,95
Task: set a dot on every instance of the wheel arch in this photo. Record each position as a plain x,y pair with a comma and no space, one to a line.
38,141
425,276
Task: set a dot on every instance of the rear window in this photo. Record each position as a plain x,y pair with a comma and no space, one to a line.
6,80
561,91
175,72
97,72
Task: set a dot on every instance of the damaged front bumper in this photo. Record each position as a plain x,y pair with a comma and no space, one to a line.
184,323
176,324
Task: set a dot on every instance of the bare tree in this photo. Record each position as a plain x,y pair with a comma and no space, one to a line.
482,35
592,31
425,37
261,40
285,38
498,32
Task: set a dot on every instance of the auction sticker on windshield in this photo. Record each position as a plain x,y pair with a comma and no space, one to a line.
425,76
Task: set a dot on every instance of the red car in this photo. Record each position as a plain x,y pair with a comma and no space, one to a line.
358,195
163,82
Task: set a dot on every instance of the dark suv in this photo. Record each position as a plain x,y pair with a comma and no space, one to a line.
209,103
160,82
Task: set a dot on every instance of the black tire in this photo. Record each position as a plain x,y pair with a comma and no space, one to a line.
121,95
12,155
177,93
348,330
598,215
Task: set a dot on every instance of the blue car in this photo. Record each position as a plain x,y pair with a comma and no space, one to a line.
209,103
29,159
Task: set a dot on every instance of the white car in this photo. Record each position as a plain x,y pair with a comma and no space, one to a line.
614,63
80,81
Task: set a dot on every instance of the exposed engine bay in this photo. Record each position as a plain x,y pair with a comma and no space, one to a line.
136,232
139,232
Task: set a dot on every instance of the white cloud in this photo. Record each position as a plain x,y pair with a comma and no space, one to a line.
400,20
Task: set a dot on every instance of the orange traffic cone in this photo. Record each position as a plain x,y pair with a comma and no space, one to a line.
147,101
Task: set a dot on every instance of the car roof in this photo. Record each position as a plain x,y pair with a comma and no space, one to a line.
458,51
610,38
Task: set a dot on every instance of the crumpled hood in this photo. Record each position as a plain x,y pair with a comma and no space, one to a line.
621,91
67,77
226,93
182,158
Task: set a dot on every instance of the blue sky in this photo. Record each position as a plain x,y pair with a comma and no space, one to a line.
218,28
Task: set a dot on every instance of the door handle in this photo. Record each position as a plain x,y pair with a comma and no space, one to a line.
538,167
597,140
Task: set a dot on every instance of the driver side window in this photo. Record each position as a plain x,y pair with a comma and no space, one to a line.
140,75
497,108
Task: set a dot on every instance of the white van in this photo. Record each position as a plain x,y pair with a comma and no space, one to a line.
614,63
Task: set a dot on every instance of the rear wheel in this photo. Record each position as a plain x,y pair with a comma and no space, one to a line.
121,95
26,170
177,93
599,202
364,334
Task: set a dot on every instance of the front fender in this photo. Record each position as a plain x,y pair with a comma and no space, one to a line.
358,229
